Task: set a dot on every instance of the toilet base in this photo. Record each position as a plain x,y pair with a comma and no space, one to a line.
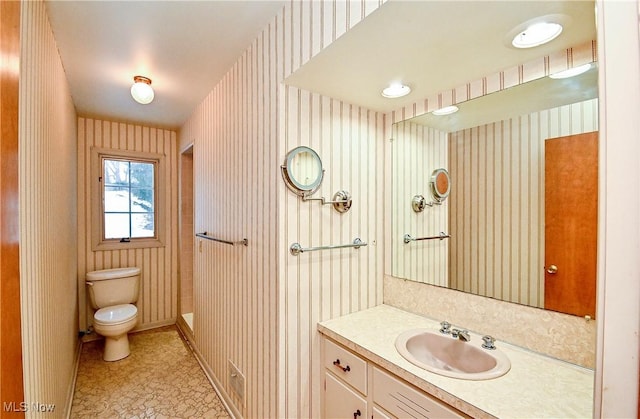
116,340
116,348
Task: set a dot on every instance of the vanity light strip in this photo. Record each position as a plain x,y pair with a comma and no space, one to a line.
244,242
296,248
408,238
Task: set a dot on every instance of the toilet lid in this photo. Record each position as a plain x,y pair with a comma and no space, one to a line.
116,314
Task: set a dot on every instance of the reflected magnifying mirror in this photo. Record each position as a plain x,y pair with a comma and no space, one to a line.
440,185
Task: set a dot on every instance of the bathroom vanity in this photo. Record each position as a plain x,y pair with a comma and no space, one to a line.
355,386
365,376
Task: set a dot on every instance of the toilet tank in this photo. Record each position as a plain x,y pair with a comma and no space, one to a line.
110,287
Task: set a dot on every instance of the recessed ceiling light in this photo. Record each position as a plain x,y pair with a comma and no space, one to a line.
537,34
447,110
396,90
571,72
141,90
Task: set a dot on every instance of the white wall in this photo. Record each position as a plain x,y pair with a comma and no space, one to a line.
618,263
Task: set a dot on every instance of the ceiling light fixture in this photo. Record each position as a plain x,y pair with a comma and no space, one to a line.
141,90
537,34
396,90
447,110
571,72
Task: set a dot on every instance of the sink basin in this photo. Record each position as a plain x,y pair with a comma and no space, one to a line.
445,355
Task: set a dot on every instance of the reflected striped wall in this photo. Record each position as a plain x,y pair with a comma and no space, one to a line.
417,151
540,67
497,204
257,306
157,304
48,241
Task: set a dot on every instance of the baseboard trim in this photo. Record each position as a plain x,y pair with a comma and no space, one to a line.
185,329
154,325
74,378
90,337
215,383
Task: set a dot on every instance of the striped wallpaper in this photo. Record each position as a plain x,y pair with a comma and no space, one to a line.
235,307
497,205
48,239
257,306
157,304
327,284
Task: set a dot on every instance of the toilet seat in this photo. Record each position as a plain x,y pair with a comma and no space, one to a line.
115,315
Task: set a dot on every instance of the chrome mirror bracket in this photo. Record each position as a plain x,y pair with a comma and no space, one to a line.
341,201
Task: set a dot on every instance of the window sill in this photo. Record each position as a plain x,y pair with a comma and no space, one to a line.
133,244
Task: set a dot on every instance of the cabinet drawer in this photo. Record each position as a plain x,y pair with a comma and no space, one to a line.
341,401
403,401
349,367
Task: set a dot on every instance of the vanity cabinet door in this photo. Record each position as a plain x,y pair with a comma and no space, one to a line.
402,400
341,401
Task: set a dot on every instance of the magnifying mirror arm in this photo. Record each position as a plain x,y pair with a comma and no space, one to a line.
341,200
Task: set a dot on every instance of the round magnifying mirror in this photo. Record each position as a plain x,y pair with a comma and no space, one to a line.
440,184
302,171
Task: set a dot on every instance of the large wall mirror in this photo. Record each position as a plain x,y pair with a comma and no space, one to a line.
520,161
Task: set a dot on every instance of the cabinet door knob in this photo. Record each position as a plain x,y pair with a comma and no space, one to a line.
345,369
356,414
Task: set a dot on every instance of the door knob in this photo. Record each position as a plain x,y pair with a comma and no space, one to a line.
552,269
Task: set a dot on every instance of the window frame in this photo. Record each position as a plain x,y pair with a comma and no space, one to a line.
99,242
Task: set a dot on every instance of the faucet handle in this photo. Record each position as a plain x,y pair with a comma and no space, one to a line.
488,342
445,327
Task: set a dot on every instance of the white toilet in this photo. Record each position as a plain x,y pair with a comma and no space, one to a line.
113,292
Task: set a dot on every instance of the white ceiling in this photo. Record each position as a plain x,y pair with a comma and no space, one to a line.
433,46
185,47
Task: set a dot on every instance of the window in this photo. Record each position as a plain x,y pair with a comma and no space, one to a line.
128,199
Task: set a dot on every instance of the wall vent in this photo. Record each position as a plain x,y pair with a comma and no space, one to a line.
236,380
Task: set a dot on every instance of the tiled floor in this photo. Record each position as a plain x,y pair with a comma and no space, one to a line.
160,379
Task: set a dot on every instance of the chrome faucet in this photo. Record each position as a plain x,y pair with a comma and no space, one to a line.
463,335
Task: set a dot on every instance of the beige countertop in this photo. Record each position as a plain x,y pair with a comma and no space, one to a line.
537,386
